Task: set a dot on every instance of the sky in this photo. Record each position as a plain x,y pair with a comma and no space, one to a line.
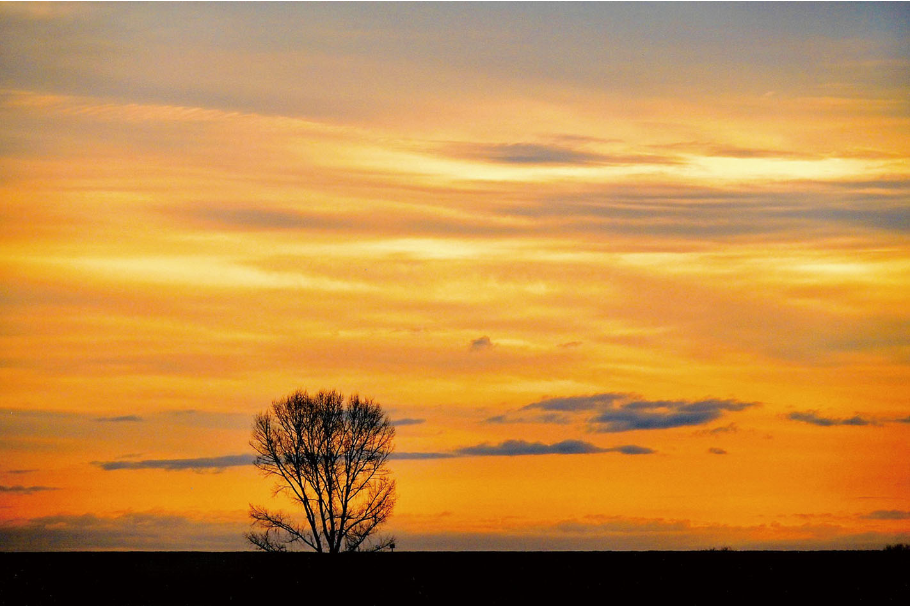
624,276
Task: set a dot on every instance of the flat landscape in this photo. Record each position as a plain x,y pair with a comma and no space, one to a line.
712,577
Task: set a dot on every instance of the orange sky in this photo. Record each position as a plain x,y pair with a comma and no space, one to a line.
625,276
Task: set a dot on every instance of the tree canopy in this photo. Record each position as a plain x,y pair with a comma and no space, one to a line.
328,454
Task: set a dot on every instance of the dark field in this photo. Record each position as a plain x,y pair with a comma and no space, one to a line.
457,577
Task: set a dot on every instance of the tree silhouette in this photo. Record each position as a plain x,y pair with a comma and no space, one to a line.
329,456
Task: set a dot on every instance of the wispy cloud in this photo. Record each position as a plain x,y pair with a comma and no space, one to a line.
735,151
888,515
520,447
550,154
812,417
630,450
728,429
514,448
544,418
717,451
251,218
25,490
694,212
132,531
628,533
119,418
408,421
402,455
579,403
198,463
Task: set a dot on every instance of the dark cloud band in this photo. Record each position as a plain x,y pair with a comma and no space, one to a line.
119,418
25,490
621,412
514,448
198,463
552,155
408,421
812,417
888,515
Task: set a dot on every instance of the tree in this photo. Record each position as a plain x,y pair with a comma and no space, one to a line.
329,455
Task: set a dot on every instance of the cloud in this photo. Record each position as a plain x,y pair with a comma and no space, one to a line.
624,420
578,403
528,153
514,448
903,420
481,343
408,421
570,344
717,451
631,450
566,447
619,524
25,490
622,412
733,151
659,415
520,447
165,531
132,531
888,515
627,533
22,470
729,428
812,417
198,463
420,455
120,418
549,154
673,209
253,218
545,418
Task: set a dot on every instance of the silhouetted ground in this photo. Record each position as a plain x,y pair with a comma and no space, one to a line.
557,578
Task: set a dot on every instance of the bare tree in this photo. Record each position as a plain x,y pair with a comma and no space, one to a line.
329,455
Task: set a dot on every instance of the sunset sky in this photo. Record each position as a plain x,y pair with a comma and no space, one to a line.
625,276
